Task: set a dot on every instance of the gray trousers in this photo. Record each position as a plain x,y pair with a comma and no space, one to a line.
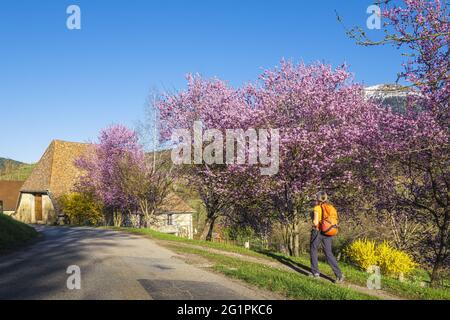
317,238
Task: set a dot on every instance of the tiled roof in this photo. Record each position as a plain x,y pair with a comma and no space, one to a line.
9,194
56,171
174,204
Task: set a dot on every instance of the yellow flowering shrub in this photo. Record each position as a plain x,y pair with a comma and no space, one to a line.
81,208
392,262
362,253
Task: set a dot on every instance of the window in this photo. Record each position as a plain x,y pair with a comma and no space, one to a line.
170,219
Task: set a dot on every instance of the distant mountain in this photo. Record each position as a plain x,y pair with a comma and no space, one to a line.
389,95
5,162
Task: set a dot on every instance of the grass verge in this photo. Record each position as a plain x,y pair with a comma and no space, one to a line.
14,233
412,288
290,284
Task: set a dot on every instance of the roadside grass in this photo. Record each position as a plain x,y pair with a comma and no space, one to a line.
287,283
411,288
14,233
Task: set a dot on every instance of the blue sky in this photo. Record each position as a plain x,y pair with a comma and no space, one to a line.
65,84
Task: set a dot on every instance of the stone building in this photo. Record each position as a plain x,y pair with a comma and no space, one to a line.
55,175
175,217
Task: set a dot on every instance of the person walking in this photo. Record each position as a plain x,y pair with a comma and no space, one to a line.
325,220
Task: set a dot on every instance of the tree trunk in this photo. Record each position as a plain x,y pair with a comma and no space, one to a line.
291,244
296,240
435,274
208,229
440,256
118,218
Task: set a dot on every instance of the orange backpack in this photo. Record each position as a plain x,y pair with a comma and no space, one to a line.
329,223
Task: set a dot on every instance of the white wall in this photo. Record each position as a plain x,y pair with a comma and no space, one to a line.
181,224
25,210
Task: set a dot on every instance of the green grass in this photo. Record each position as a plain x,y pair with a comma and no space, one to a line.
13,233
290,284
410,289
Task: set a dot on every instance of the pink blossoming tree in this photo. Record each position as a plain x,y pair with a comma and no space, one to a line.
421,29
326,128
102,167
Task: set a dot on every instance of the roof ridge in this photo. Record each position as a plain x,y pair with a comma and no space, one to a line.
54,142
71,142
41,174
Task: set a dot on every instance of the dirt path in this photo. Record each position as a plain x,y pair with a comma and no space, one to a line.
287,266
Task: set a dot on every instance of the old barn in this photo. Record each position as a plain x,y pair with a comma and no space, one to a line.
53,176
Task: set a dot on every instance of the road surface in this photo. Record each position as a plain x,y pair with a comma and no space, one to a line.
113,265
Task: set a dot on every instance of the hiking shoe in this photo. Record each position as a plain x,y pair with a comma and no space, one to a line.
340,279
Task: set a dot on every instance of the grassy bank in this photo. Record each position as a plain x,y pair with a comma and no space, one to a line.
14,233
289,284
415,287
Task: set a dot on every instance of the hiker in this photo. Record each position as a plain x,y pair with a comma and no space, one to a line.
324,228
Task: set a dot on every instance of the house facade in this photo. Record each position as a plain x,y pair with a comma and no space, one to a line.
175,217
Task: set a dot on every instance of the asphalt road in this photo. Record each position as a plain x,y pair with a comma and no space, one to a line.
112,265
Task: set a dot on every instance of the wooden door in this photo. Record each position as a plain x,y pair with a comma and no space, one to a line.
38,207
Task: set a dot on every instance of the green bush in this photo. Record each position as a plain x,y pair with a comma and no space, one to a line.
239,234
82,209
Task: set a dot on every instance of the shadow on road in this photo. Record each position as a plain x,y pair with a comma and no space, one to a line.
39,270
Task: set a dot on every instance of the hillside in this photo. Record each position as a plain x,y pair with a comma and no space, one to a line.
4,162
14,170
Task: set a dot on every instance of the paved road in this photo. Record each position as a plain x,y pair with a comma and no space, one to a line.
113,266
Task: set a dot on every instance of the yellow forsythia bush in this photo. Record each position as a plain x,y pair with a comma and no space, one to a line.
362,253
392,262
81,208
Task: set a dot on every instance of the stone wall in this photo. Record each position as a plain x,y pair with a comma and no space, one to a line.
26,210
48,210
